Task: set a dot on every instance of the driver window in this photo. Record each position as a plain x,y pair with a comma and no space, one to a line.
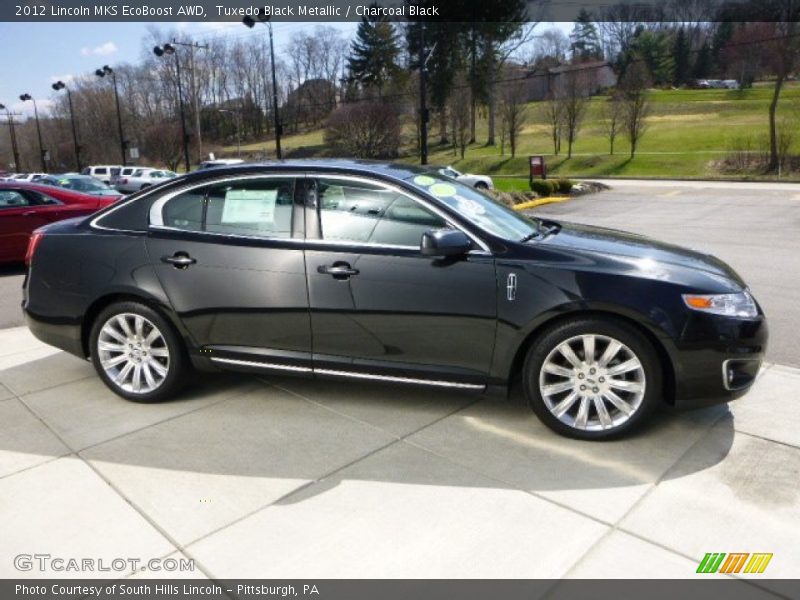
368,213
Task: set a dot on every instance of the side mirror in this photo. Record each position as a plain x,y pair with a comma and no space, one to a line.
445,242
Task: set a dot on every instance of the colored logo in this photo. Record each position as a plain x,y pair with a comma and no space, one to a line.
736,562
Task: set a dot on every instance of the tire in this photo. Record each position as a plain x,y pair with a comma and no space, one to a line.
161,360
625,386
144,186
481,186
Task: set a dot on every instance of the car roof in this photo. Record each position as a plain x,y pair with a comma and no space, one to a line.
334,165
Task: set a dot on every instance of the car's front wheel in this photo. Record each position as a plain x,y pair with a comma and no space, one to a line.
137,353
592,378
482,186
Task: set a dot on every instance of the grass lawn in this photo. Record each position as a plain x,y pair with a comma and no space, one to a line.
687,130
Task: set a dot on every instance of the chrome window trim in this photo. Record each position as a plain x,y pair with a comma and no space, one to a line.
159,225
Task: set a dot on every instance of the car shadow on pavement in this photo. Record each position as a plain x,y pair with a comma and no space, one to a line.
12,269
288,432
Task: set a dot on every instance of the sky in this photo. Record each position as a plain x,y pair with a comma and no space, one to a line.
47,52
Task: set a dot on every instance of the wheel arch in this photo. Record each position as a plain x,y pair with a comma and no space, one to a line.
664,358
101,303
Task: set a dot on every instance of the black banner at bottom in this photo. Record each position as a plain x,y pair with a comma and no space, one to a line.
390,589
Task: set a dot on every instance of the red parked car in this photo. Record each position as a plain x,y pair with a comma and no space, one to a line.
25,207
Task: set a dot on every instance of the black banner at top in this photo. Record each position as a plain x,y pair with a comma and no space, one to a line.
399,10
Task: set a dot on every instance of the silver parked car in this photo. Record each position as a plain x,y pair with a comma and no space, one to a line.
142,178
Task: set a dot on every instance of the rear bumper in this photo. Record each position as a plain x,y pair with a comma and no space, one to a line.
64,337
723,366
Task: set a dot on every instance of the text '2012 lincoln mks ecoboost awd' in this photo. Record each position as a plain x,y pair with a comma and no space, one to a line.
350,269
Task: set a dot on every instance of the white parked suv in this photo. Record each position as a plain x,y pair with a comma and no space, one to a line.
481,182
141,178
102,172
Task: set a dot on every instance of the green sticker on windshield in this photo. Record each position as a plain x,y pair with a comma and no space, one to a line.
443,190
424,180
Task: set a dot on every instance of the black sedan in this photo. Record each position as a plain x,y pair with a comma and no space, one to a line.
359,270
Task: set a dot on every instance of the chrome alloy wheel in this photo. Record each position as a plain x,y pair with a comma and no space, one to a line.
133,353
592,382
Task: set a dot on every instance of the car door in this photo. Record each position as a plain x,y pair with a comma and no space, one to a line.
379,308
229,256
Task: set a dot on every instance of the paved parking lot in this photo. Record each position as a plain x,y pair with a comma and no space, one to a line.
297,478
279,477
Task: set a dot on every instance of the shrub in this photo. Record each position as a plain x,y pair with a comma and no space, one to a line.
542,187
364,130
565,186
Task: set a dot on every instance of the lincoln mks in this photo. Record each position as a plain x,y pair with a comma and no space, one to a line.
348,269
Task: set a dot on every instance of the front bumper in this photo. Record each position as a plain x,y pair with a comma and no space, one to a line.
717,359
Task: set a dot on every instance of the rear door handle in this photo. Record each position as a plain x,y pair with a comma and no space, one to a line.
338,270
179,260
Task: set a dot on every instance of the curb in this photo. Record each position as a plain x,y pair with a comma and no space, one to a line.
540,202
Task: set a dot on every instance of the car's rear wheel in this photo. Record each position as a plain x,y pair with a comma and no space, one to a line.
137,353
481,186
592,378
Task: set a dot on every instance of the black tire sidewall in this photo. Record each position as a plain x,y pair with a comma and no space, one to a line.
610,327
177,363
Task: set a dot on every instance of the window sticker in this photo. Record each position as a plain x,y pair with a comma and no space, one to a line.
469,206
424,180
249,206
443,190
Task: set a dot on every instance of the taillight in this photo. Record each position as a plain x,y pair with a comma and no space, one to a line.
33,242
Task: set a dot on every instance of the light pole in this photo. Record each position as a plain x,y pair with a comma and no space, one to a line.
250,22
170,49
60,85
25,98
238,128
102,72
14,148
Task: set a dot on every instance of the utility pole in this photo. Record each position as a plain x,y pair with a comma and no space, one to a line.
168,49
250,23
423,95
123,143
13,133
42,151
60,85
195,96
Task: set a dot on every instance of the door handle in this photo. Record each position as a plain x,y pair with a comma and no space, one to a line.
338,270
179,260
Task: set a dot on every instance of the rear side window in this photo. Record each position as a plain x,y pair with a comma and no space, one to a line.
12,199
261,208
251,208
100,171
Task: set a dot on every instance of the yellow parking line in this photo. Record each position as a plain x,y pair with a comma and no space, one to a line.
540,202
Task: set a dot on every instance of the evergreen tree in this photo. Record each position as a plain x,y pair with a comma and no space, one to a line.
702,64
584,37
722,36
680,58
374,54
655,51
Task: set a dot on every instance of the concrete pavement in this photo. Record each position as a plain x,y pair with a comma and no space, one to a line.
286,478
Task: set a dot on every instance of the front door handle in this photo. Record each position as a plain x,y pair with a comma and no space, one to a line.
339,270
179,260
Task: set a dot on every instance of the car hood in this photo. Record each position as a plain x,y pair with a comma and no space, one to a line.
618,243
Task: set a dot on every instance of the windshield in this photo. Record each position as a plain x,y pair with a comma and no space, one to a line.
479,209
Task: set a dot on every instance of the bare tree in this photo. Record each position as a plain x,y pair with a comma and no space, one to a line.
513,112
552,109
576,98
460,119
611,113
364,130
635,104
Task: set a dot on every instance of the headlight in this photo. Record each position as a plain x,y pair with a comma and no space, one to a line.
727,305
